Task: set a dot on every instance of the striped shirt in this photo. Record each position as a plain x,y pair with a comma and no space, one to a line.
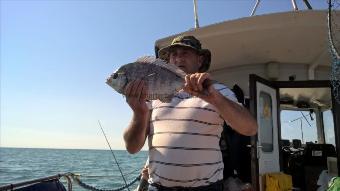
184,141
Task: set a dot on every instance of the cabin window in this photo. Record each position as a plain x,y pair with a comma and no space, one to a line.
266,122
328,125
298,125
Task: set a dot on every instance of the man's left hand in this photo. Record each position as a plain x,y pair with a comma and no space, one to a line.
200,85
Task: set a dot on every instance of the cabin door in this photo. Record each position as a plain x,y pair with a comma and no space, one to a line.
265,146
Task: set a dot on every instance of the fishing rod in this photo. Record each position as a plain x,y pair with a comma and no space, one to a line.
100,125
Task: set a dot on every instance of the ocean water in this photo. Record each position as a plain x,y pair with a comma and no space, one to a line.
96,167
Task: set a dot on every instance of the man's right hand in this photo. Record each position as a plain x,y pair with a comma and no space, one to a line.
135,93
135,134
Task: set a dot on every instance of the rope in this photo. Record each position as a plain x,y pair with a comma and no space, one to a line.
335,69
92,188
69,182
112,176
331,39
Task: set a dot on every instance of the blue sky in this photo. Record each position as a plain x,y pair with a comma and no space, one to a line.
56,55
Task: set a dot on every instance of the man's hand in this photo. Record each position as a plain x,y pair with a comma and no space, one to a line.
200,85
135,93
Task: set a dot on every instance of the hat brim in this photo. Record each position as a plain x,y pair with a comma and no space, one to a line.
163,53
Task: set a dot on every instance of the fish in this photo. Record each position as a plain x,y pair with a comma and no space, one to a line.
163,79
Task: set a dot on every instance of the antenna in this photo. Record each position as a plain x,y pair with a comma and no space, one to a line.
305,118
255,7
307,4
295,8
195,14
100,125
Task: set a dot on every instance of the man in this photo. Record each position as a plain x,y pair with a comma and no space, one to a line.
183,135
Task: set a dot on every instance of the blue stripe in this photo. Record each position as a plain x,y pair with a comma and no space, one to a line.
191,120
174,107
184,148
186,133
185,165
186,181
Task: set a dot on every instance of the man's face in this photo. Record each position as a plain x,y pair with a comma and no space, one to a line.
186,59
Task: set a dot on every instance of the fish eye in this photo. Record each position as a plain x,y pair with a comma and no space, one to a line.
115,76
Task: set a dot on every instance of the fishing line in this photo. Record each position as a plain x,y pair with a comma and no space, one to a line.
100,125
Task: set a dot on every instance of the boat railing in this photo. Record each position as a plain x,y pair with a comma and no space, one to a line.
70,177
257,3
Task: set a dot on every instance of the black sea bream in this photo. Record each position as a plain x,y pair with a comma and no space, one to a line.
163,79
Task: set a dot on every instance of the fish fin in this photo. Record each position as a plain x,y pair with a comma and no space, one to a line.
162,63
146,59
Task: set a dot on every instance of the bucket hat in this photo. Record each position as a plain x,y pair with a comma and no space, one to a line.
190,42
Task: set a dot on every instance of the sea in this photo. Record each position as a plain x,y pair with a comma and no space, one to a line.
96,167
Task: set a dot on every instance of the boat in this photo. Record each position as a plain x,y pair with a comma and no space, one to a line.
277,62
281,63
